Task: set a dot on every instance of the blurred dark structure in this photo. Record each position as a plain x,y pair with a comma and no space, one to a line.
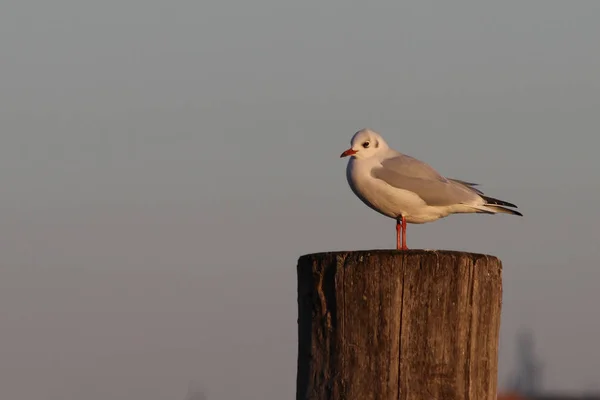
526,383
527,379
195,392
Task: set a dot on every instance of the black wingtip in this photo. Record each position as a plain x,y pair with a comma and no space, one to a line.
516,213
502,209
497,202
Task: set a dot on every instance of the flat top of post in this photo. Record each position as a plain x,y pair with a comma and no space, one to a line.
398,253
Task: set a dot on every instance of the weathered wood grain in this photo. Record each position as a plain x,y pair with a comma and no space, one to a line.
412,325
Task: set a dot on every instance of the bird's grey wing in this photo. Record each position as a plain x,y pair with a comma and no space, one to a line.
404,172
412,167
467,184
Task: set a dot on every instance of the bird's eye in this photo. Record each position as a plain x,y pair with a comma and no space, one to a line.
365,144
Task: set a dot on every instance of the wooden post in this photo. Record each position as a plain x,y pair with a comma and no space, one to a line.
387,324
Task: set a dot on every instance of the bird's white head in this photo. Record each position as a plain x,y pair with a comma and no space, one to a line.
365,144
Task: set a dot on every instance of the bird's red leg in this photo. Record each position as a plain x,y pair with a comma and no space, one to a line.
399,228
404,234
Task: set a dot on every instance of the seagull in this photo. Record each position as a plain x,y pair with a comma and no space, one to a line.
409,190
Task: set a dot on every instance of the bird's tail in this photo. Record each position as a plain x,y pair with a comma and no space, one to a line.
494,206
500,206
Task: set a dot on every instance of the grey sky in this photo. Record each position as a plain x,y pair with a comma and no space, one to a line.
163,165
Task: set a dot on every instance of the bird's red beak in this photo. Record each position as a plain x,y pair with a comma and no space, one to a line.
348,152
